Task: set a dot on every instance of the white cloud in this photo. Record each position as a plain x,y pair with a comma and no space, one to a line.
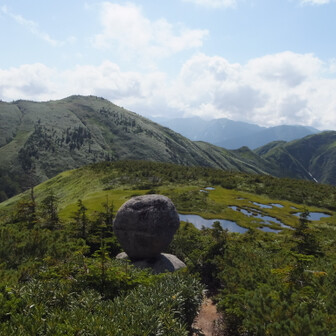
315,2
332,66
286,68
39,82
31,81
33,27
284,88
109,81
128,31
214,3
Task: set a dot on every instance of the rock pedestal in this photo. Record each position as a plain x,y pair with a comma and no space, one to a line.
163,263
145,226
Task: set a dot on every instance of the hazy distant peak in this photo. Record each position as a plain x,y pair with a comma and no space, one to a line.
233,134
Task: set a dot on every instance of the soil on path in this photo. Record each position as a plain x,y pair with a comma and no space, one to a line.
208,320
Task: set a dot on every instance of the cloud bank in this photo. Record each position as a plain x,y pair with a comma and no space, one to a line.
281,88
284,88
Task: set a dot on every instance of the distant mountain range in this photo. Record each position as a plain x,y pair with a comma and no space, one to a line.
40,140
234,134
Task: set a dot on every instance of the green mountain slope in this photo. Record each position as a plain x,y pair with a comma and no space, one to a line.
40,140
116,182
312,158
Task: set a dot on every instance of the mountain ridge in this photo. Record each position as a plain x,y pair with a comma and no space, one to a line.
43,139
38,140
223,132
313,157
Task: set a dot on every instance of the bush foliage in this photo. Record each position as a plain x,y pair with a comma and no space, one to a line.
58,278
59,275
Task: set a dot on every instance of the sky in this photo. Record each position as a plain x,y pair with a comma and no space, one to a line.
268,62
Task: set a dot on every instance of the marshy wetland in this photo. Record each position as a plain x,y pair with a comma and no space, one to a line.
238,210
189,188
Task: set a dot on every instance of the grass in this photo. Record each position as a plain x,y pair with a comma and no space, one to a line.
245,200
216,204
94,201
9,151
95,185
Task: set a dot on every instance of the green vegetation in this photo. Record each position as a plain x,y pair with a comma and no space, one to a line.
41,140
59,275
311,157
61,278
118,181
266,284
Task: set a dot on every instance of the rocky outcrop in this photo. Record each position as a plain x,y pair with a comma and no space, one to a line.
145,225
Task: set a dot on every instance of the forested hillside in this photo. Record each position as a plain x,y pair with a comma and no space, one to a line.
40,140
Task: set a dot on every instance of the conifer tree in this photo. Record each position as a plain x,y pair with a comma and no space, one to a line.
306,241
26,211
49,213
81,220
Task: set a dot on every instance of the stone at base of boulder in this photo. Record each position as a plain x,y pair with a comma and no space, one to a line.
164,263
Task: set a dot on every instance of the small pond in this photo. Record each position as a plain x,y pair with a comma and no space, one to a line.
277,205
315,216
199,221
268,206
268,229
255,214
207,189
265,206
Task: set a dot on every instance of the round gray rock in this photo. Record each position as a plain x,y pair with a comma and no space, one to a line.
145,225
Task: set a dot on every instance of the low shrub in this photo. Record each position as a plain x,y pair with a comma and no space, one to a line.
166,306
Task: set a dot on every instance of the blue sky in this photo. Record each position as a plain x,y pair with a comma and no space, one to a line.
268,62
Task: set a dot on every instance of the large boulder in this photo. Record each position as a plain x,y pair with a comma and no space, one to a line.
145,225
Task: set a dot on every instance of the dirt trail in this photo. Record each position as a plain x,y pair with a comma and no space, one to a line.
206,322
